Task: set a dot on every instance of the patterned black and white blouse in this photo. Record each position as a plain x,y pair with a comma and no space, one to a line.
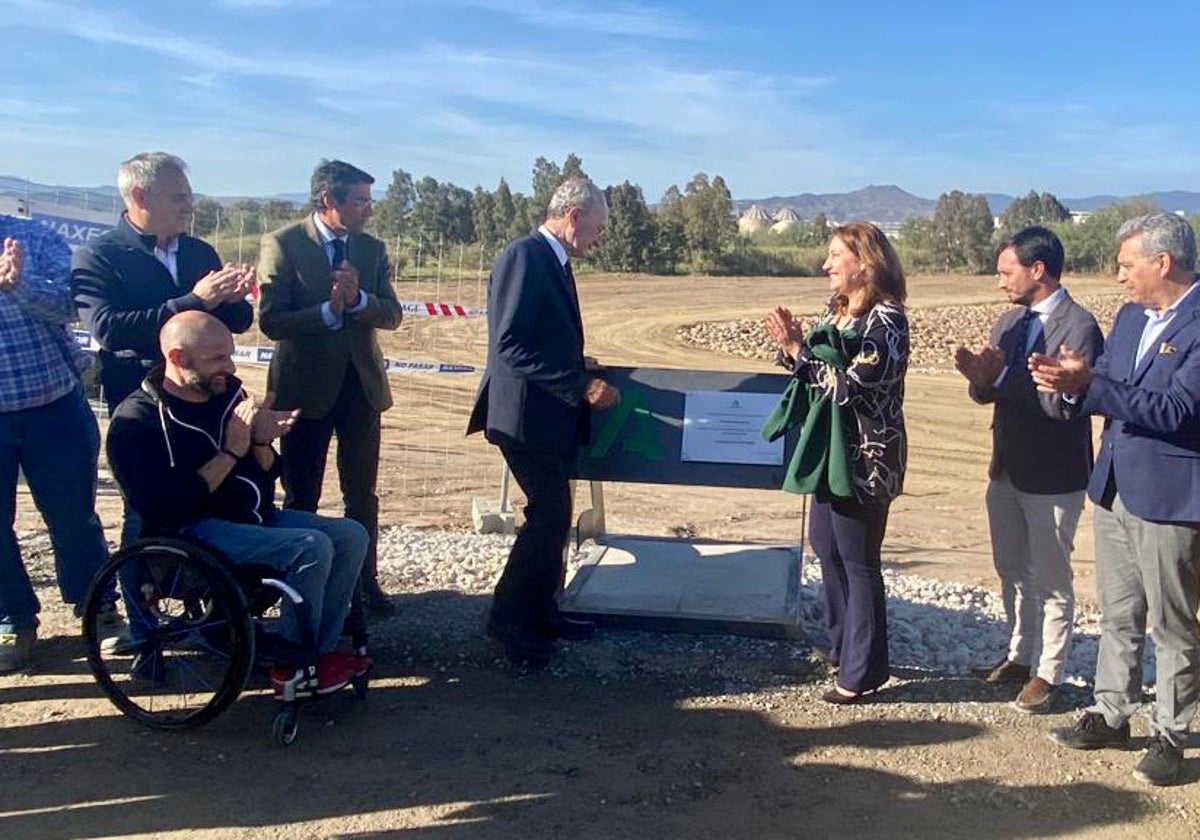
871,393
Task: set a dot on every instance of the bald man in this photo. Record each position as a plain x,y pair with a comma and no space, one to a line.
192,452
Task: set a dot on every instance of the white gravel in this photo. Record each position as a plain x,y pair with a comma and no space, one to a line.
938,627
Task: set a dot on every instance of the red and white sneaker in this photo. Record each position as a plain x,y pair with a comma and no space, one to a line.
291,682
333,673
357,663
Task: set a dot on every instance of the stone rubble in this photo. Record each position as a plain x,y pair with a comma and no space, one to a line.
935,333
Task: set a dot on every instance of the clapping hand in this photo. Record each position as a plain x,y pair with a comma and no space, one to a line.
228,284
270,424
1069,373
343,293
981,369
12,262
785,331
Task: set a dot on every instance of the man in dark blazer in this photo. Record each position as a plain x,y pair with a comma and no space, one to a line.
1041,460
131,280
326,288
1146,486
534,403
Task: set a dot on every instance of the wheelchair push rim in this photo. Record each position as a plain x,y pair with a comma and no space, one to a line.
192,632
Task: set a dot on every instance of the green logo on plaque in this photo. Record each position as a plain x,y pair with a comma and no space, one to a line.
642,440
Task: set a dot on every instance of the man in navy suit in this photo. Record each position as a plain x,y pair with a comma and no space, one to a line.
130,281
1146,486
534,403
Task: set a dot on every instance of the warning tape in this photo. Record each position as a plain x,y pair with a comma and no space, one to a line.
256,355
429,309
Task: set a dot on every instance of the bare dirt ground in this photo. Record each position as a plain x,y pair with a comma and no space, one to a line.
615,741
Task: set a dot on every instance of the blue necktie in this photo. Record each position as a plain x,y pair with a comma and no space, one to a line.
339,251
1021,337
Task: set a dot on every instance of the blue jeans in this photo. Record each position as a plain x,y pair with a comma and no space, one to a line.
56,446
319,557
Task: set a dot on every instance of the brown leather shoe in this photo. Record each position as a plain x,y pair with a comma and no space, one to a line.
1006,671
1036,697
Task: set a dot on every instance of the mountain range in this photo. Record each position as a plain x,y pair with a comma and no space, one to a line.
885,204
890,204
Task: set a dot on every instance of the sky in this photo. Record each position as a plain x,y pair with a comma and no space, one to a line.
779,98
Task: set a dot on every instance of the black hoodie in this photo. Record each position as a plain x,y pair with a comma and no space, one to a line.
156,446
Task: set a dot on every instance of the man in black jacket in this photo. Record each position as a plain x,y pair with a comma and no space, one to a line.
129,281
192,452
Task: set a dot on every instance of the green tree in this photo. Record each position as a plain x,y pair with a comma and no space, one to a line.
391,219
670,243
483,212
207,214
1032,209
628,243
1091,245
245,216
572,167
709,225
443,210
962,232
275,213
503,211
547,175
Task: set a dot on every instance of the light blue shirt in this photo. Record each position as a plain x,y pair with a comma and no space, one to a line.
1156,323
333,320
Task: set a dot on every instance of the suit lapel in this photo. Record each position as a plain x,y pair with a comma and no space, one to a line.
315,258
1183,316
564,283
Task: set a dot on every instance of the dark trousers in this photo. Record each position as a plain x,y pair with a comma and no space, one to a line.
305,448
525,596
847,536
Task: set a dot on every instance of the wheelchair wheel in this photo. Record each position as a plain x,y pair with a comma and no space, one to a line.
194,634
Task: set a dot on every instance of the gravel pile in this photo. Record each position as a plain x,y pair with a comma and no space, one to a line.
446,578
935,333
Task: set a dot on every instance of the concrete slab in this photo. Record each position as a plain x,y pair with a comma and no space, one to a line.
692,586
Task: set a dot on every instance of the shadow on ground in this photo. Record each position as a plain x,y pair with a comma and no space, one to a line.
452,744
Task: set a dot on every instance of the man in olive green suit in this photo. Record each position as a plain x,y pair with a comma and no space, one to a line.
326,287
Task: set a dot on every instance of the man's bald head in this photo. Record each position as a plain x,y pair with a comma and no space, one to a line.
198,350
188,330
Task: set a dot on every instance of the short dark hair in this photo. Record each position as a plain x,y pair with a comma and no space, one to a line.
336,177
1036,244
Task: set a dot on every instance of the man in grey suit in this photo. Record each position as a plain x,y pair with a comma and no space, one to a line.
1041,459
1146,385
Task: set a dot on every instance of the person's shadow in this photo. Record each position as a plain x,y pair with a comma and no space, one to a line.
451,743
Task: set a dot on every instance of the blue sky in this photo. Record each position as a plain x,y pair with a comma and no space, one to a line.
778,97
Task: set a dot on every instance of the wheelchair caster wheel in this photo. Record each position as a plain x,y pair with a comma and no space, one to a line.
361,683
285,728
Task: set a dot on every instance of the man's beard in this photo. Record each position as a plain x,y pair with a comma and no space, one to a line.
214,386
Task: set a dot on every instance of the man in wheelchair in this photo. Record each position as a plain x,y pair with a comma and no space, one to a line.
192,452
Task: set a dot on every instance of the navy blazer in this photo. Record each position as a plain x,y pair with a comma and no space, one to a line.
532,389
124,295
1040,447
1151,442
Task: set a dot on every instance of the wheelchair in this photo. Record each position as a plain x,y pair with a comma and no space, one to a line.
206,622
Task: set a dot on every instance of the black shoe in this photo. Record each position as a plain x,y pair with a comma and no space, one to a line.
522,647
570,629
377,602
1161,763
1091,732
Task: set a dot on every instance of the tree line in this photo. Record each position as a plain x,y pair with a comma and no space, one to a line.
693,230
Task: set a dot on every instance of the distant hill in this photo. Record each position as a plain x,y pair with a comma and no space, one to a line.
892,205
103,198
885,204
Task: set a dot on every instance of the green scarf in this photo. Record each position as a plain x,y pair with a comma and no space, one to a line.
821,462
